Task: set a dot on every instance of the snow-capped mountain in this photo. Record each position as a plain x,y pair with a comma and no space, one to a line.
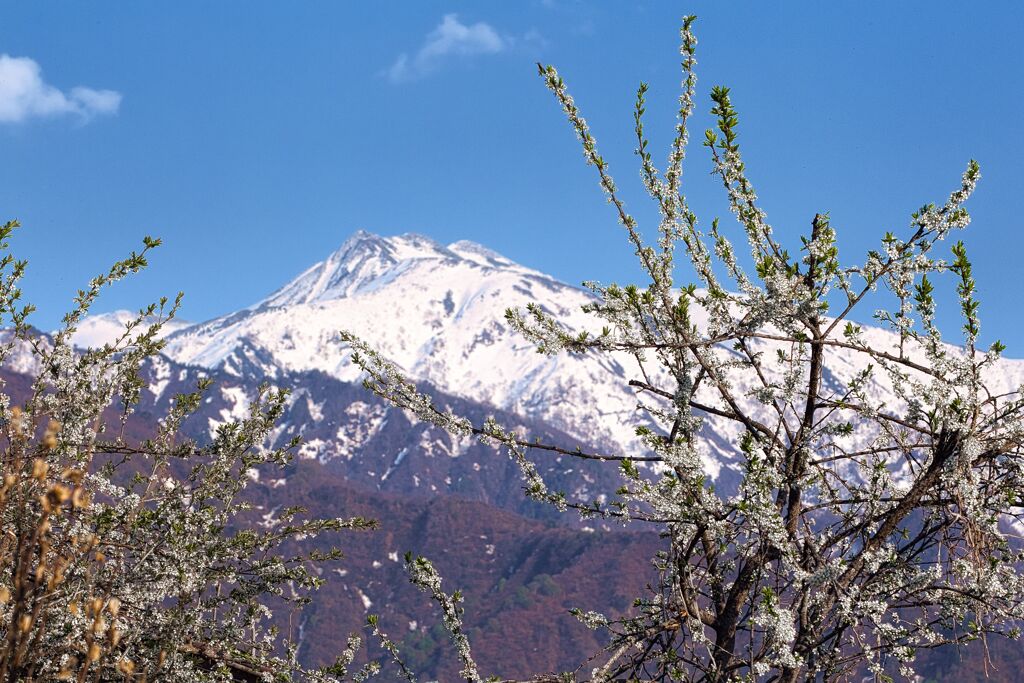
438,312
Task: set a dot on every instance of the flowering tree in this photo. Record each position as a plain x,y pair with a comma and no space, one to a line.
861,530
126,561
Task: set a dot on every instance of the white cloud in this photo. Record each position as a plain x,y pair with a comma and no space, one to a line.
25,95
451,37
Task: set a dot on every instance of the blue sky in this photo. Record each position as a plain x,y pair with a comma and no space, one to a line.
255,137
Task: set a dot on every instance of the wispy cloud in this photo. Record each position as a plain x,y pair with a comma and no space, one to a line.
450,38
25,95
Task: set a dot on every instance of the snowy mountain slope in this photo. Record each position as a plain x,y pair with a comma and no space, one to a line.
437,311
355,436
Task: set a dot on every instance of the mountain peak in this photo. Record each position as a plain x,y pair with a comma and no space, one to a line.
406,245
365,258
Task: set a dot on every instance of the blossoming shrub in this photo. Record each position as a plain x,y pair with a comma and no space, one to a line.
862,529
126,561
